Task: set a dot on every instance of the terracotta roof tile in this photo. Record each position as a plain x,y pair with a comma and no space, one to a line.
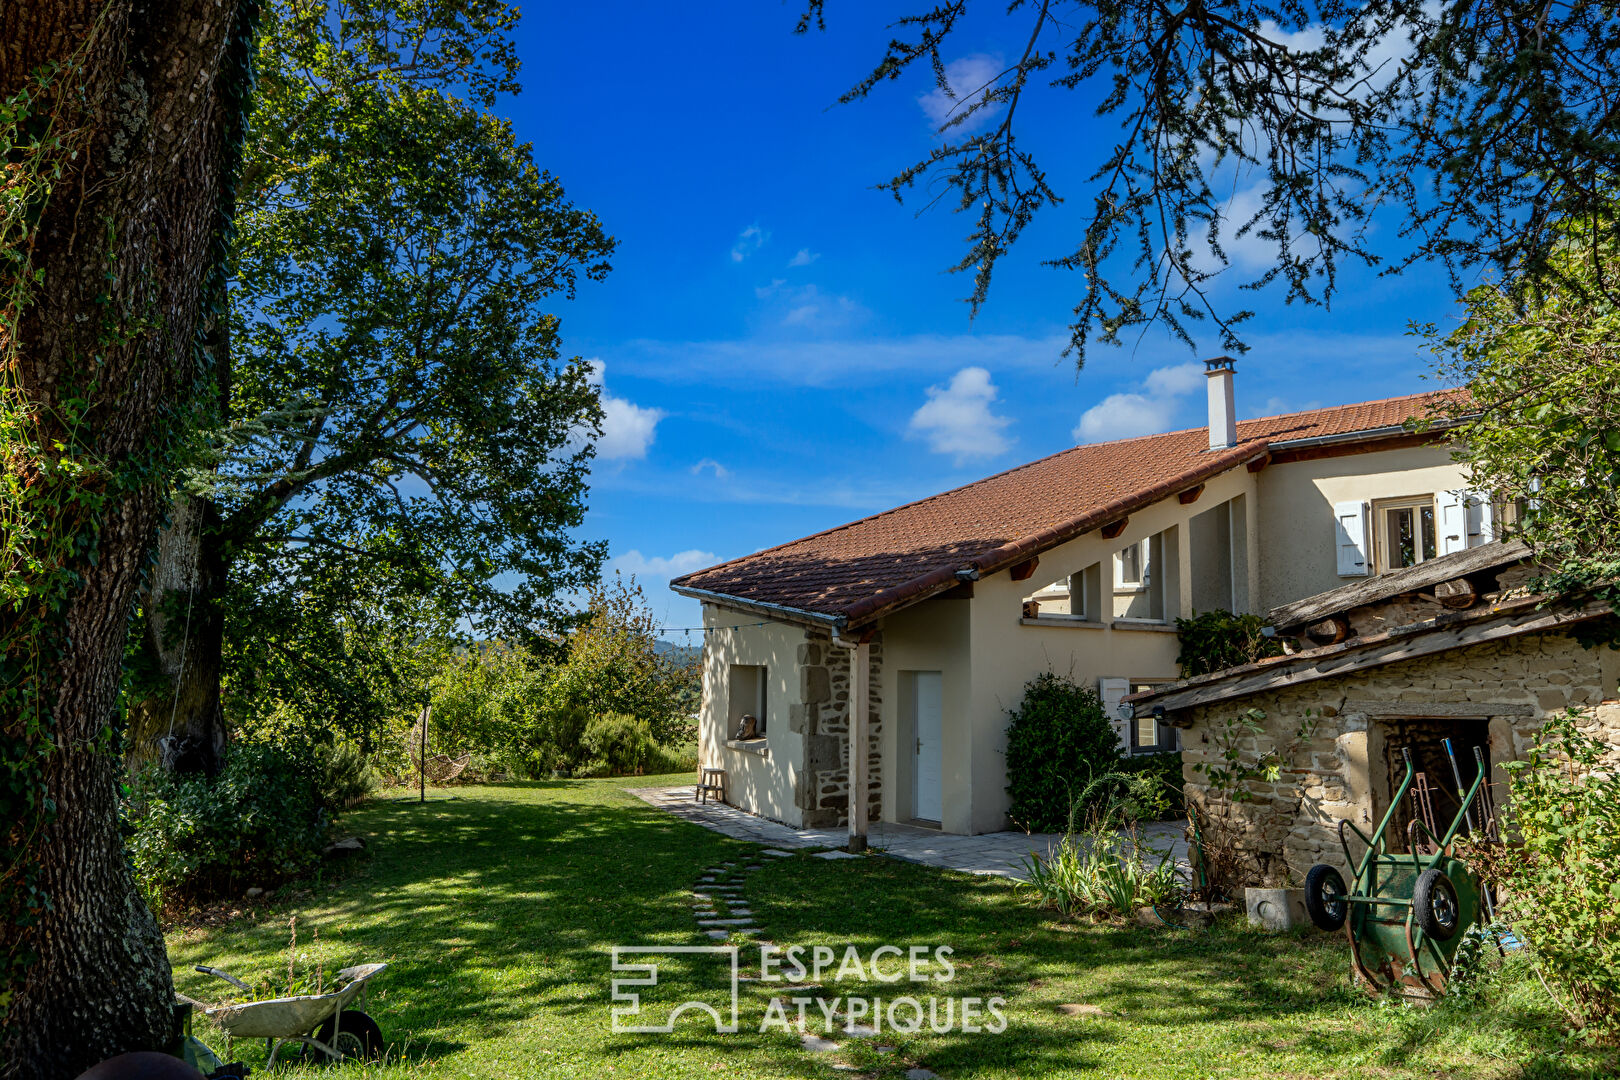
880,563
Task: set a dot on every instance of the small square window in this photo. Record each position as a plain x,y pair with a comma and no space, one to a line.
746,698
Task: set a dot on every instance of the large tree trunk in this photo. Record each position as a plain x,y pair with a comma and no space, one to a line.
178,722
127,245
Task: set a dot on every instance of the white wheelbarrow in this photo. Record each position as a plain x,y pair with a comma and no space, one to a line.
322,1021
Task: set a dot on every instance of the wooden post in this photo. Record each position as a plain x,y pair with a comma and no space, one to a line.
860,663
421,767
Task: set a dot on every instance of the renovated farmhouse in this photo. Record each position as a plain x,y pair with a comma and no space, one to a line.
879,659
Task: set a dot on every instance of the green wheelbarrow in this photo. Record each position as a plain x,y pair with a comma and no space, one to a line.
1406,912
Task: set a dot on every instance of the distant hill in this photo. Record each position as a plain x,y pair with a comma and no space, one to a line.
679,651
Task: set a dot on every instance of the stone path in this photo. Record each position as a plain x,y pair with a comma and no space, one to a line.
1002,853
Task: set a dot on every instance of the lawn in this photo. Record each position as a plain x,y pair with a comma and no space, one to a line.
496,907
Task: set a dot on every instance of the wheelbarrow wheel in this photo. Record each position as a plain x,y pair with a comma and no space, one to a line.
353,1034
1434,905
1324,897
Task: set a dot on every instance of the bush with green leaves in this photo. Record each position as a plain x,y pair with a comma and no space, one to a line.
1059,740
1216,640
260,821
1162,771
1560,872
618,745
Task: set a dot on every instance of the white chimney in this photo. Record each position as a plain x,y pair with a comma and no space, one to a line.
1222,411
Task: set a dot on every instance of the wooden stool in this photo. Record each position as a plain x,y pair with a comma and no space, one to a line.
710,782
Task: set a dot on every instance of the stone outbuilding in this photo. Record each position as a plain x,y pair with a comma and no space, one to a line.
1455,648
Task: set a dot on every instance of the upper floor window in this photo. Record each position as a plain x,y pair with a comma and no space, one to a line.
1130,565
1404,531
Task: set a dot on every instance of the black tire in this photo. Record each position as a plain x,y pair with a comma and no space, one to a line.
357,1036
1325,897
1435,906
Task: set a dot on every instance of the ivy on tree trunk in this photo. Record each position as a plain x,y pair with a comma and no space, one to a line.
126,118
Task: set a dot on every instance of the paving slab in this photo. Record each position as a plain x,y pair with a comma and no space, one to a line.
1002,854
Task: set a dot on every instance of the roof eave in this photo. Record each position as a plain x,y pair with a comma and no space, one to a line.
778,612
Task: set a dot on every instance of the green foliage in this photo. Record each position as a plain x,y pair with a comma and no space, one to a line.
1540,427
614,665
1237,766
261,821
344,776
618,745
1162,773
1105,868
1058,741
1560,879
1216,640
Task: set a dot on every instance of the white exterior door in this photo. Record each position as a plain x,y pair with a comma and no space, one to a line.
928,699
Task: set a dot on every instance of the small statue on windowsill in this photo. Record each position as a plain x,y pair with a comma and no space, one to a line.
747,727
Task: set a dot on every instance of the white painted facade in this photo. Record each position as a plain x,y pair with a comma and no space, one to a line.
1249,542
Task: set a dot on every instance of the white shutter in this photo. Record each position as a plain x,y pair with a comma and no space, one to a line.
1455,518
1480,518
1350,535
1113,691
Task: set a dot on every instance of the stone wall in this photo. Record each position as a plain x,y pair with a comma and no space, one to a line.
821,790
1330,736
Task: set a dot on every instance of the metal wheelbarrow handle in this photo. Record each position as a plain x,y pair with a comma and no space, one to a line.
204,969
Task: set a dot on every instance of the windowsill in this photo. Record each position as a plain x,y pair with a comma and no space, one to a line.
1152,626
757,746
1067,622
1130,590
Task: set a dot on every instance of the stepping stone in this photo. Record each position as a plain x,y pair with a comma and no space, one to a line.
835,854
776,853
756,866
725,922
1082,1010
705,880
859,1031
738,911
922,1074
718,935
815,1044
746,930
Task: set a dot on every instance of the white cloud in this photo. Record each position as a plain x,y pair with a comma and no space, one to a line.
660,568
956,419
749,241
804,257
968,77
719,470
1144,412
628,429
806,306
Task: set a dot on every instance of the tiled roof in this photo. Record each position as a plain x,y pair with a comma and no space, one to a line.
867,568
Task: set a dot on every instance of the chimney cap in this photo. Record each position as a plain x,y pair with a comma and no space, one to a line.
1216,364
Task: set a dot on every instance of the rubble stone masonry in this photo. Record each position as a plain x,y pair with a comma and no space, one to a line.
1332,757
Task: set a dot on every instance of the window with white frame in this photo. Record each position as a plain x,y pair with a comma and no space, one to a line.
1148,736
1403,532
1131,566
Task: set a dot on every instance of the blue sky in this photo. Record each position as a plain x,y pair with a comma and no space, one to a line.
781,347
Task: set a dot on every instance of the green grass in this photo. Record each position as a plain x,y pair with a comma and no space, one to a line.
495,908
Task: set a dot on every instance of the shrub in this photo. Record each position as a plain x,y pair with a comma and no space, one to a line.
344,776
1561,879
1163,771
1216,640
1058,741
618,745
259,822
